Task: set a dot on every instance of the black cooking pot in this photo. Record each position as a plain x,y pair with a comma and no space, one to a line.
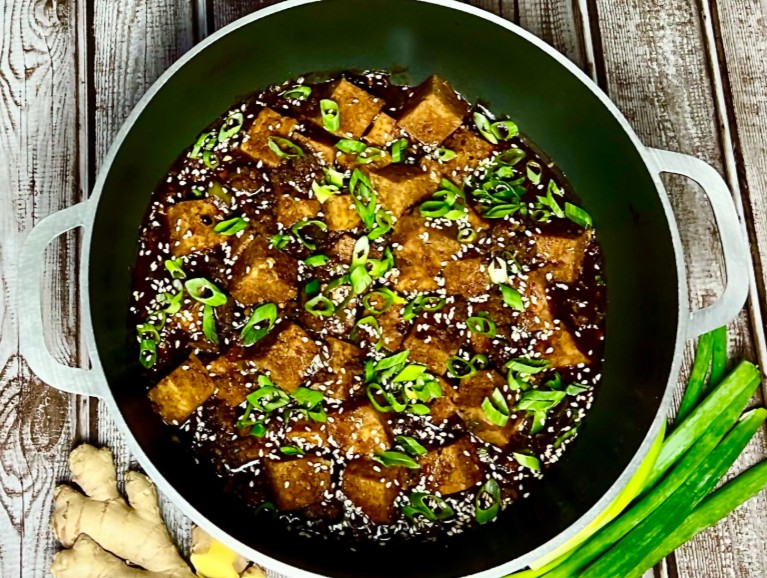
558,107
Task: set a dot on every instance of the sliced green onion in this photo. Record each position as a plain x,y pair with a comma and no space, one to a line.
411,445
445,155
312,288
265,316
369,155
393,458
512,156
350,146
460,368
231,126
431,507
551,203
501,211
148,352
496,409
498,270
578,216
360,251
360,280
305,223
284,148
311,402
504,129
292,451
209,324
198,192
482,325
331,116
324,192
490,496
527,460
258,430
388,296
484,127
174,301
147,331
398,147
205,142
534,172
298,92
210,159
384,223
316,260
279,240
372,322
267,398
467,235
512,297
393,361
205,292
409,373
174,268
527,365
553,189
320,306
230,227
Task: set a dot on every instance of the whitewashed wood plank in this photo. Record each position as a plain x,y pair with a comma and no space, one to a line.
133,43
38,176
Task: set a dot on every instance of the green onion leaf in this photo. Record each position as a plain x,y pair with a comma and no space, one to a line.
482,325
320,306
488,502
393,458
467,235
306,223
333,177
147,331
393,361
230,227
209,324
577,388
411,445
298,92
496,409
431,507
498,270
267,398
284,148
445,155
512,297
331,116
210,159
369,155
409,373
527,460
485,129
264,317
504,129
280,240
323,192
527,365
148,352
174,268
205,292
350,146
231,126
205,142
292,451
372,322
460,368
360,252
174,301
384,223
578,216
384,295
316,260
534,172
398,147
258,430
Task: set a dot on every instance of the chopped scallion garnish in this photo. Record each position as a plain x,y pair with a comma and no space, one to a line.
394,458
284,148
205,292
259,324
331,116
231,226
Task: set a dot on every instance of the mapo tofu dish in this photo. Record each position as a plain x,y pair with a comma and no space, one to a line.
376,310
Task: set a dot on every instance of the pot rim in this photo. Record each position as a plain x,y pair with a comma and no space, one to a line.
283,567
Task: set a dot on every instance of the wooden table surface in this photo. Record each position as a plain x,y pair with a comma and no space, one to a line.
690,75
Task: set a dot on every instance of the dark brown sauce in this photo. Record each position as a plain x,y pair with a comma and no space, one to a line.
249,192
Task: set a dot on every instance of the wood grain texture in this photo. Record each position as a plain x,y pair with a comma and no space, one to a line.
38,176
656,70
134,41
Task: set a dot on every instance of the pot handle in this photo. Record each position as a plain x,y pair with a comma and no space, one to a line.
31,331
737,263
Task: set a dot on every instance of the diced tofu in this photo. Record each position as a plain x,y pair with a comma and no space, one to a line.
343,249
180,393
420,253
434,111
390,322
298,483
227,373
325,152
188,320
383,131
340,214
467,277
290,209
452,468
470,395
267,124
400,186
356,107
565,349
431,346
470,150
344,364
443,408
563,255
288,358
190,225
359,431
373,488
307,434
262,273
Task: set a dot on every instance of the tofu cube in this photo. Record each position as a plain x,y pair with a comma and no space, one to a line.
359,431
262,273
467,277
373,488
400,186
226,371
431,346
298,483
383,131
452,468
181,392
420,253
340,214
267,124
324,152
566,351
190,226
356,108
470,149
343,249
469,397
563,255
434,111
290,210
443,408
288,358
392,330
343,363
307,434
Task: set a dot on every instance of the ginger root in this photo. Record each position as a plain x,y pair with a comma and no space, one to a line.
108,537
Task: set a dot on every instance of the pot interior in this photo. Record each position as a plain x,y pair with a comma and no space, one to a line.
561,115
